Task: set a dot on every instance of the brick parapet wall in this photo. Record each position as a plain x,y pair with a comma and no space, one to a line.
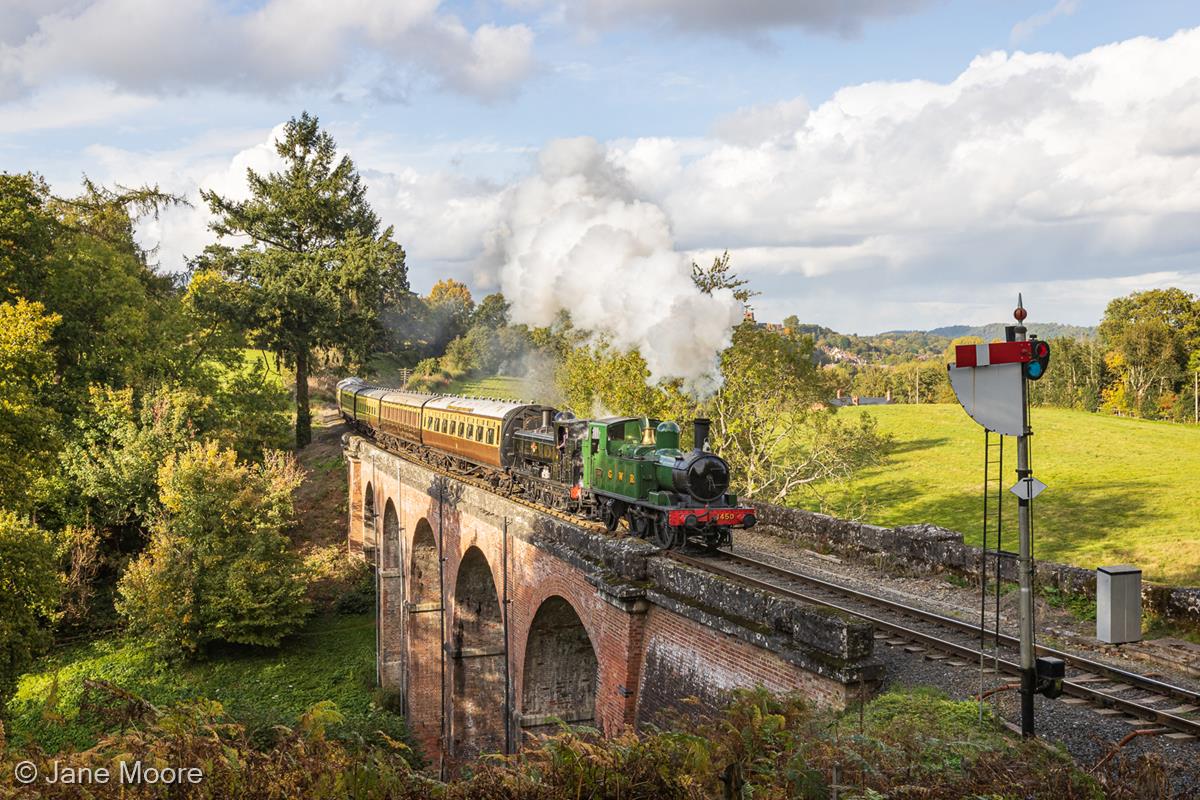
934,549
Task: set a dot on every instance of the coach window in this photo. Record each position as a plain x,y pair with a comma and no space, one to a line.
461,426
479,434
470,431
491,437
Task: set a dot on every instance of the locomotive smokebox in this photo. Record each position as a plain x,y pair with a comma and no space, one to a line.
700,426
704,476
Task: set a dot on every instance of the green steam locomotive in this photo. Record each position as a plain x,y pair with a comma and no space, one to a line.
612,469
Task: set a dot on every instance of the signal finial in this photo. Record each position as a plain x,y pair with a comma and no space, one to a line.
1020,313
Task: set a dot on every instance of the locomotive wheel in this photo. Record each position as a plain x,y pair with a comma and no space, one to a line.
610,514
661,533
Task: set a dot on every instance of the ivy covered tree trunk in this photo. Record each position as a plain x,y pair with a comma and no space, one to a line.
303,412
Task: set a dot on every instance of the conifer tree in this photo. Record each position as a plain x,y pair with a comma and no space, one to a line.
318,270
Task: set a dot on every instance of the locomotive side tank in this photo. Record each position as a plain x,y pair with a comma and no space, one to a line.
636,469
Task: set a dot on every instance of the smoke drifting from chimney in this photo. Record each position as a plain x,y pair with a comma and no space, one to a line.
576,236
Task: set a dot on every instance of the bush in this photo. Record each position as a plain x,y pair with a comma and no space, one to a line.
218,567
30,586
253,411
338,581
304,760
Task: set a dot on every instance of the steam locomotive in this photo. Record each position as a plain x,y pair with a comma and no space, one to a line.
609,469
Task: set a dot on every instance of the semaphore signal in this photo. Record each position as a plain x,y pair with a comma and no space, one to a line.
991,382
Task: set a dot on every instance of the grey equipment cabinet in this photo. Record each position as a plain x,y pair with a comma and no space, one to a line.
1119,604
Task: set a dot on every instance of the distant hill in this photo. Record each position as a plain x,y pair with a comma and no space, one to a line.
1043,330
895,347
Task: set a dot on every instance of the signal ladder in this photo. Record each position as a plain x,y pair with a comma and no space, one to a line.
993,551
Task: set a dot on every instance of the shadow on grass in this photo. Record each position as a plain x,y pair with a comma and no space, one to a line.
913,445
1067,519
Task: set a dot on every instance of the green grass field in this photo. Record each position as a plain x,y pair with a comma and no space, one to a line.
1121,490
332,658
498,386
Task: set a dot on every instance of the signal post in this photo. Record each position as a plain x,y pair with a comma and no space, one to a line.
991,382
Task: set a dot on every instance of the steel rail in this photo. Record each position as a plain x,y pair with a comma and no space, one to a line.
1098,667
1165,718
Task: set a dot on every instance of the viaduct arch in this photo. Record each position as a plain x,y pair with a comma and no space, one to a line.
561,669
497,621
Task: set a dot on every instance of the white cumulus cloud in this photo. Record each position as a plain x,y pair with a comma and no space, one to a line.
155,47
1025,165
841,17
889,205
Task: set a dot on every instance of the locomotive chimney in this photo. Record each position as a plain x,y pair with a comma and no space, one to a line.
700,427
546,418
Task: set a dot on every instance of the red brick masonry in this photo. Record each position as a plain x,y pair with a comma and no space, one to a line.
531,620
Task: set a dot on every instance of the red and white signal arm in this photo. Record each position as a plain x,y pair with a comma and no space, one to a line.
987,380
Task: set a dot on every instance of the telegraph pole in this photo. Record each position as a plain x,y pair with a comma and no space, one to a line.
1025,548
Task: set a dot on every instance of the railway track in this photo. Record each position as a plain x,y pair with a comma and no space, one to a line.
1109,689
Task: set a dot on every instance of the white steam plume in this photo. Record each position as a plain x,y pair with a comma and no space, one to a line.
575,236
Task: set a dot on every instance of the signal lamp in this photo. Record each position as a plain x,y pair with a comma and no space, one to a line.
1035,368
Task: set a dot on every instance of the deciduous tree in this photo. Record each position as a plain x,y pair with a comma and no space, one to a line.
27,432
772,424
218,567
720,275
79,258
450,308
30,587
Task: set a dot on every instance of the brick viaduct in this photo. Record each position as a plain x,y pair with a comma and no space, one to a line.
497,621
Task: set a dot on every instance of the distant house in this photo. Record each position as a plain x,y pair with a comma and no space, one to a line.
854,400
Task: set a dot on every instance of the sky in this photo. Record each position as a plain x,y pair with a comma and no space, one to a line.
870,165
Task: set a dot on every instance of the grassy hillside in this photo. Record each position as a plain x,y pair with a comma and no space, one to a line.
333,658
1121,490
498,386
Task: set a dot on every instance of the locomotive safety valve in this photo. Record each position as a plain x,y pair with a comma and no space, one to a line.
1050,673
